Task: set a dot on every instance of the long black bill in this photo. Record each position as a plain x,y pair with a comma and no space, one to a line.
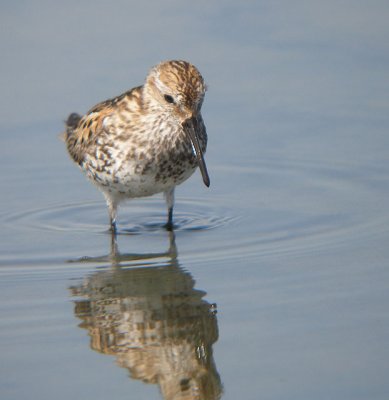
190,129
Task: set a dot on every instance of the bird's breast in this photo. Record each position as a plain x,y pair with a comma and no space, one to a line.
136,163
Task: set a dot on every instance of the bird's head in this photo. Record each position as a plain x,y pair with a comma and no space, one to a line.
178,88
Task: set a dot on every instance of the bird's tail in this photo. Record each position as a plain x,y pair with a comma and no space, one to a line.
71,124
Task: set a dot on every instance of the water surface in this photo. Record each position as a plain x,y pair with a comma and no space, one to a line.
275,281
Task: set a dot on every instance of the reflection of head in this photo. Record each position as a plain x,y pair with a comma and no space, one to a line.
157,325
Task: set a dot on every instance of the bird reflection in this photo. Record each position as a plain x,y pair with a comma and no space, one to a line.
154,321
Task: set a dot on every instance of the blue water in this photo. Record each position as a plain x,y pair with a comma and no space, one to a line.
275,283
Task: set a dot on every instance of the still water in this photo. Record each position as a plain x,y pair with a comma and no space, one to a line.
275,282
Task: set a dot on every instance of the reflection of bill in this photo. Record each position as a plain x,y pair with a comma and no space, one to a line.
156,324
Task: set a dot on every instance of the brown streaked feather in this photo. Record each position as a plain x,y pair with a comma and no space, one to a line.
84,134
81,132
111,103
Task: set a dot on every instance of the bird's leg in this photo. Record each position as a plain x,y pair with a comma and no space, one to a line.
113,225
169,223
169,197
112,210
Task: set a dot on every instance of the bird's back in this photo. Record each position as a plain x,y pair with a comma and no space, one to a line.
82,131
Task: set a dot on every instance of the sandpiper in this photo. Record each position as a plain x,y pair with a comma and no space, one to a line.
147,140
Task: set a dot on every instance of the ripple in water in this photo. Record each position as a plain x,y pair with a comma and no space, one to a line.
295,207
138,216
264,209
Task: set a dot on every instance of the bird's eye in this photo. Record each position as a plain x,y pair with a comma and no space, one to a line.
168,99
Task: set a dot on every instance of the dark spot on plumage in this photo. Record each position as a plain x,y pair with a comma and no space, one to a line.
73,120
183,157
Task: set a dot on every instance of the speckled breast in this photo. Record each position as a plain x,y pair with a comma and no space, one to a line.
128,169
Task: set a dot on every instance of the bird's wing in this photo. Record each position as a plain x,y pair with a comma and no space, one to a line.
81,136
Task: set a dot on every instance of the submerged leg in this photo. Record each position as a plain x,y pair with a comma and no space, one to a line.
169,197
112,210
113,225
